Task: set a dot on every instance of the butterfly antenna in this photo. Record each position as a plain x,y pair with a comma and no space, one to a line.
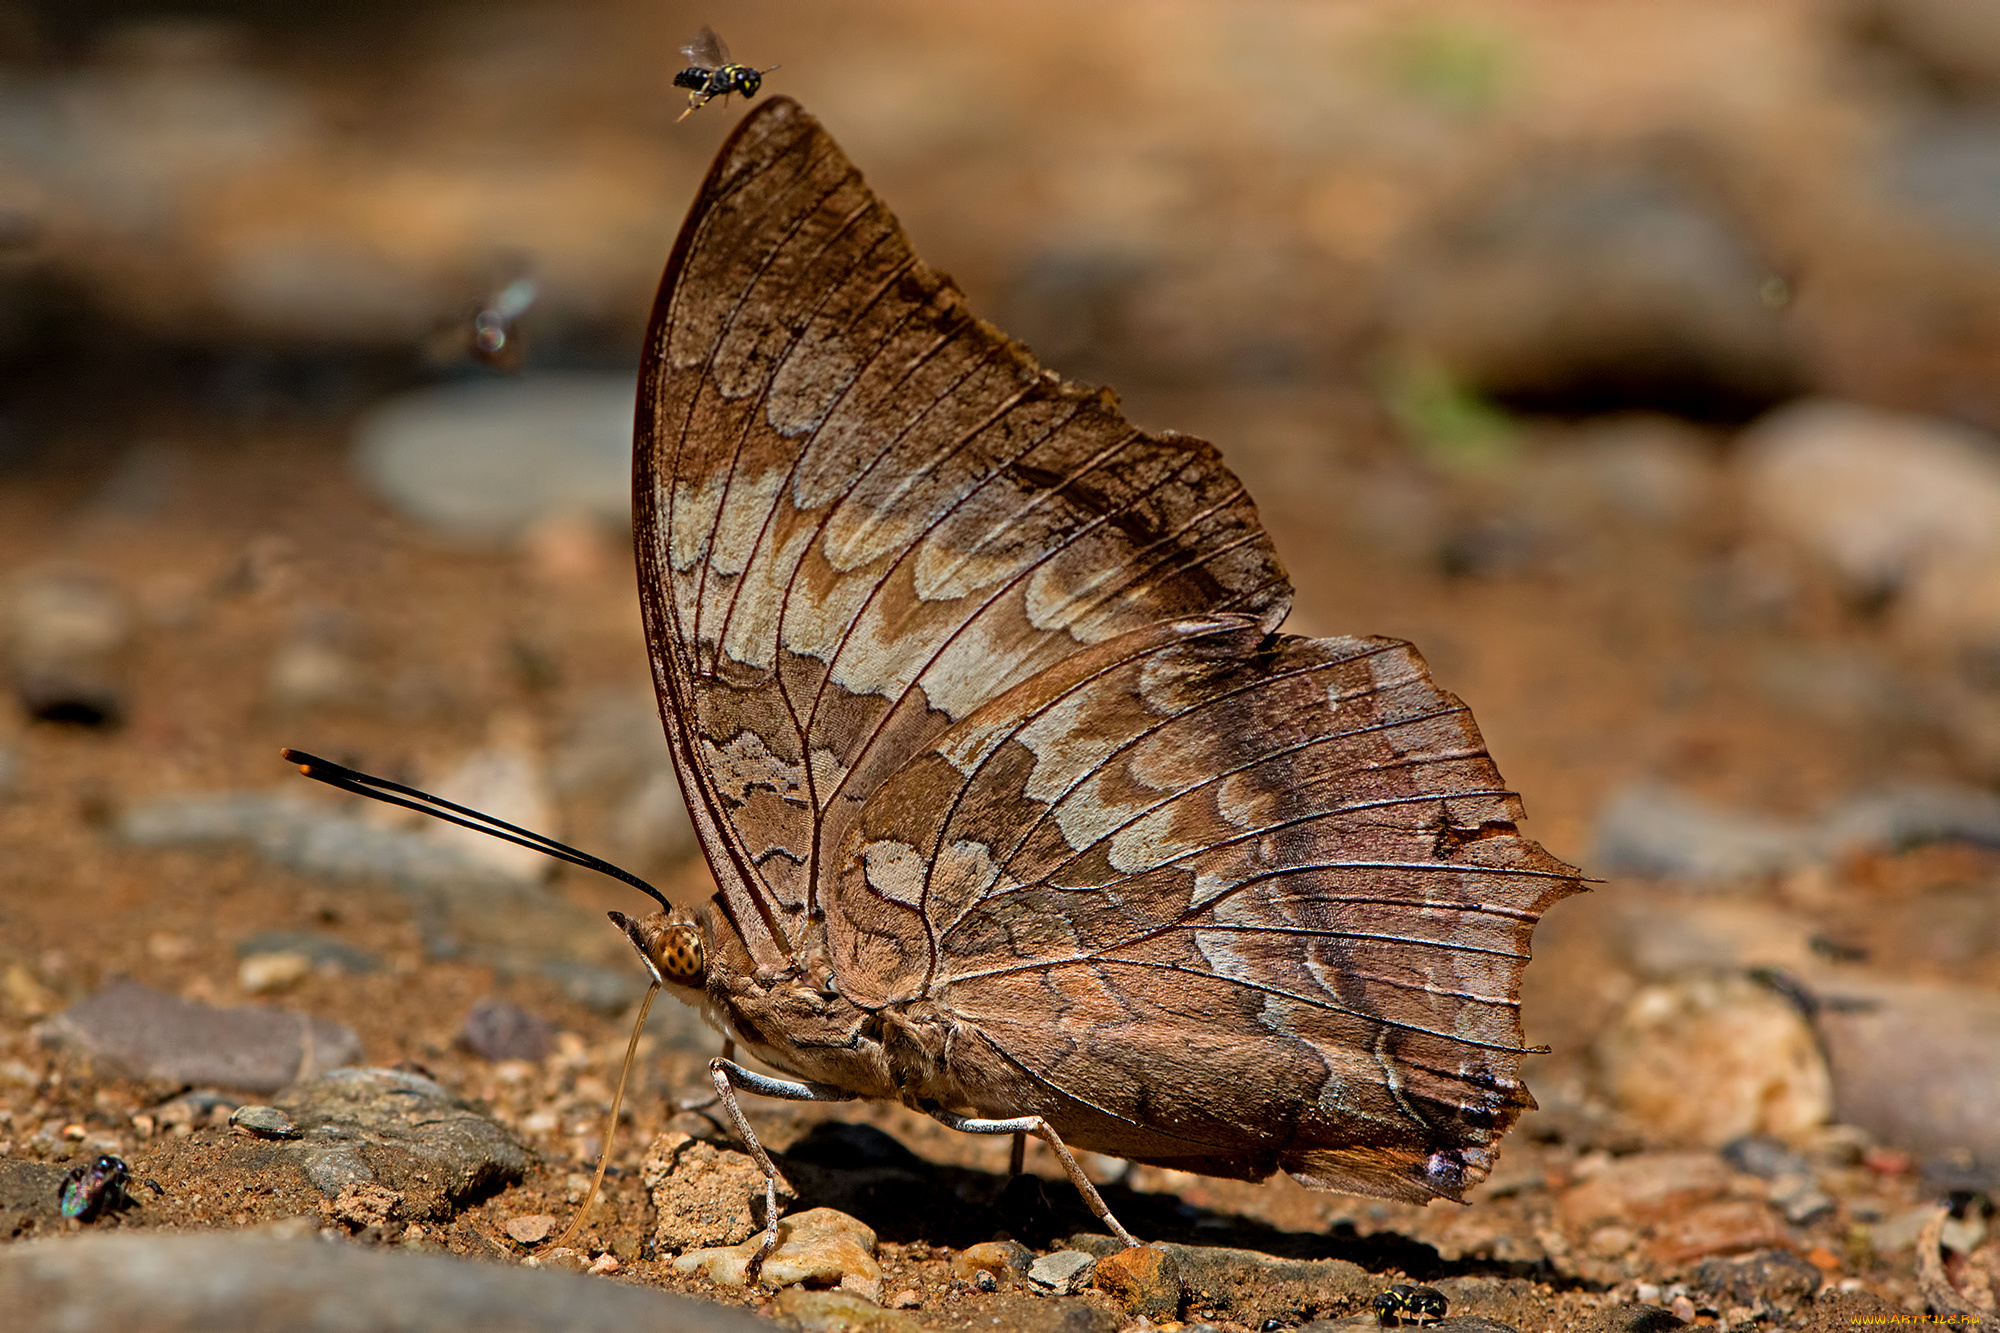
395,793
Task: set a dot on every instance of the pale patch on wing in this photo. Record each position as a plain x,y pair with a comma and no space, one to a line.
827,770
744,514
747,763
966,749
1245,800
965,870
693,508
1149,841
895,870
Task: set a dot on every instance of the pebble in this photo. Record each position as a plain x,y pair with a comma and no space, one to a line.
1144,1279
1892,501
1004,1260
532,1229
820,1245
265,1122
838,1312
1774,1277
247,1283
149,1034
486,460
1064,1272
1709,1058
1645,1187
1916,1065
704,1194
1799,1199
1764,1157
65,636
501,1030
267,973
399,1133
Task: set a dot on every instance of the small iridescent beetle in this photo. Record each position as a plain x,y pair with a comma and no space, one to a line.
89,1192
711,74
1404,1303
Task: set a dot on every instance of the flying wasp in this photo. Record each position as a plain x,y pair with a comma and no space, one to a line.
711,74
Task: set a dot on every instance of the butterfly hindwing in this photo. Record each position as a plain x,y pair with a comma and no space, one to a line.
1211,891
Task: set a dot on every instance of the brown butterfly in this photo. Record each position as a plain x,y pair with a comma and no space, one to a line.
1021,810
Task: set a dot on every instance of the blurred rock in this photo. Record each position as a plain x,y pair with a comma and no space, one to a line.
1776,1277
399,1133
149,1034
322,951
65,636
1711,1058
1727,1226
149,1282
1593,288
1945,165
1917,1066
1799,1198
616,752
1895,503
1955,41
1655,830
10,770
704,1195
1143,1279
1064,1272
1764,1157
498,1030
487,460
820,1246
1653,468
1646,1187
1650,829
508,783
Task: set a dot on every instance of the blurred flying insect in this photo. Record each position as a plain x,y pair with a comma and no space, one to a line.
494,342
711,73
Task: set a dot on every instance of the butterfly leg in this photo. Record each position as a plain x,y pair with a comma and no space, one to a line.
728,1076
1041,1129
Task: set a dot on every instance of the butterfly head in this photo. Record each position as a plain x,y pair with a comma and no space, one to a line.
671,945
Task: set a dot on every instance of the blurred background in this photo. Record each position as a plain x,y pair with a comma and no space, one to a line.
1639,362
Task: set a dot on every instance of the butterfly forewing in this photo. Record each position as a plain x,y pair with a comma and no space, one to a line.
978,699
863,511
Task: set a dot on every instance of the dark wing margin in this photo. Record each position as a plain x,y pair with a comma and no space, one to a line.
1220,899
860,512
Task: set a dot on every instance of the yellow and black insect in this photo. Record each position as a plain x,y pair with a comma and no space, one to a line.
1404,1303
711,74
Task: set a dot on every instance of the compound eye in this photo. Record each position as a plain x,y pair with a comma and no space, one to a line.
681,958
